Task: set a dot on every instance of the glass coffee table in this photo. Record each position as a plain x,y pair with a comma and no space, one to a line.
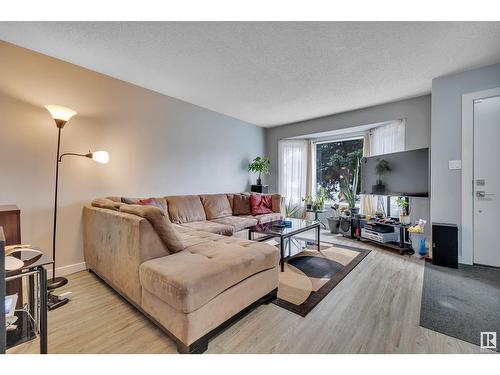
271,230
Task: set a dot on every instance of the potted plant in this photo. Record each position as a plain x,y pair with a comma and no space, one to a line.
260,165
349,189
404,217
334,220
291,210
319,203
308,200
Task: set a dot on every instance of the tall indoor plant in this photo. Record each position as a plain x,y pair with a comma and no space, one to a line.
260,165
349,187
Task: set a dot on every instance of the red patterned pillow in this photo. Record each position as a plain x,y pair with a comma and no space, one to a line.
261,204
156,202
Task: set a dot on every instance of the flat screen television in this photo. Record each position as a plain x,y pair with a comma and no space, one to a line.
403,173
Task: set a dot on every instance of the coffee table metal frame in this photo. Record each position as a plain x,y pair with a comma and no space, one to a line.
274,232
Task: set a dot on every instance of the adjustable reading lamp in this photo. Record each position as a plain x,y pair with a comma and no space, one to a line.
61,116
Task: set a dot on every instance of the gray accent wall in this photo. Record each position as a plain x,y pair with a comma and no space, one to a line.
417,112
158,146
446,136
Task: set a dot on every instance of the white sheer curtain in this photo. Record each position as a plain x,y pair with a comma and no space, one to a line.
293,156
384,140
388,138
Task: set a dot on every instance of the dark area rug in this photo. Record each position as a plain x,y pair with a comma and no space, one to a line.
311,274
461,302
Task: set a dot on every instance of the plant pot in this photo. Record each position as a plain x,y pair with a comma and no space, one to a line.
259,181
309,206
354,211
334,224
404,219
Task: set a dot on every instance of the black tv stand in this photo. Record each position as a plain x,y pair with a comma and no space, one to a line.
402,246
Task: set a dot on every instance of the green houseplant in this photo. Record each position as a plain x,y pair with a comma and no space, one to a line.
404,217
319,202
334,220
291,210
349,187
260,165
308,200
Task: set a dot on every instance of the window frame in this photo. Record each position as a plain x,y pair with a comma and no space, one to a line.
339,138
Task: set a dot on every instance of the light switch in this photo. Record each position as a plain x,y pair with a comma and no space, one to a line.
454,164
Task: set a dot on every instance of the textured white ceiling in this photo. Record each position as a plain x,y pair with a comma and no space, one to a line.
269,73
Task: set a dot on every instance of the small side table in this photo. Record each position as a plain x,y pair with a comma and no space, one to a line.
263,189
316,212
37,303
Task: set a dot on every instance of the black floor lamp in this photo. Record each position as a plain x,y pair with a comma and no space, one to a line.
61,116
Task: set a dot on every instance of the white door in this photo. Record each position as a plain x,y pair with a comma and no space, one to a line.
487,181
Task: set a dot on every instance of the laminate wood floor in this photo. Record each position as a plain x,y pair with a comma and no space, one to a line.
375,309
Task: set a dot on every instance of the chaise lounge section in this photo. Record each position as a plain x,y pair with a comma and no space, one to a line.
190,293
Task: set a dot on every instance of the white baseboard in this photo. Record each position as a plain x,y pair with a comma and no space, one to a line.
67,270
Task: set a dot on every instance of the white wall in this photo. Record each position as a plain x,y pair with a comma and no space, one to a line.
158,145
446,137
417,112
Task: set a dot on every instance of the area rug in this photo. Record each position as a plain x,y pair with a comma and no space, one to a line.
311,274
461,302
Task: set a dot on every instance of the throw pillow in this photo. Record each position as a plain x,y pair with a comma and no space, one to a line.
161,203
241,204
261,204
162,225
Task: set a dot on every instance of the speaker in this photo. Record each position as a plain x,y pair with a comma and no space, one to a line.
445,245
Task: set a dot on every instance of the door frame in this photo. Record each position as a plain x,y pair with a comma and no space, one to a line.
467,227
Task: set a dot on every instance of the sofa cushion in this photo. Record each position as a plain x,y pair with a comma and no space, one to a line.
216,206
266,218
241,204
261,204
278,201
160,222
210,226
185,208
238,222
106,203
161,203
192,278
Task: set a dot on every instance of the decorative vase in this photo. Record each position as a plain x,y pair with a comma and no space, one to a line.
354,211
416,241
259,181
309,206
334,224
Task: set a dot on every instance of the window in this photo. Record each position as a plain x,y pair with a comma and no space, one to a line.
292,170
336,160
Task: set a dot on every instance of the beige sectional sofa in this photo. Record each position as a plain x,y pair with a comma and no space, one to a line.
190,293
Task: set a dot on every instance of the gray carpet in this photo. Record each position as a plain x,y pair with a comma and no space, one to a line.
461,302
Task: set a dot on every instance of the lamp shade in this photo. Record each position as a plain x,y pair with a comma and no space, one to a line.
100,156
59,112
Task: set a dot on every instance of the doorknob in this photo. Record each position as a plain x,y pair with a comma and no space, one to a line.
482,194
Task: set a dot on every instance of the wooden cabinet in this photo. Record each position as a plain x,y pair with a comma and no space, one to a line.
10,221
